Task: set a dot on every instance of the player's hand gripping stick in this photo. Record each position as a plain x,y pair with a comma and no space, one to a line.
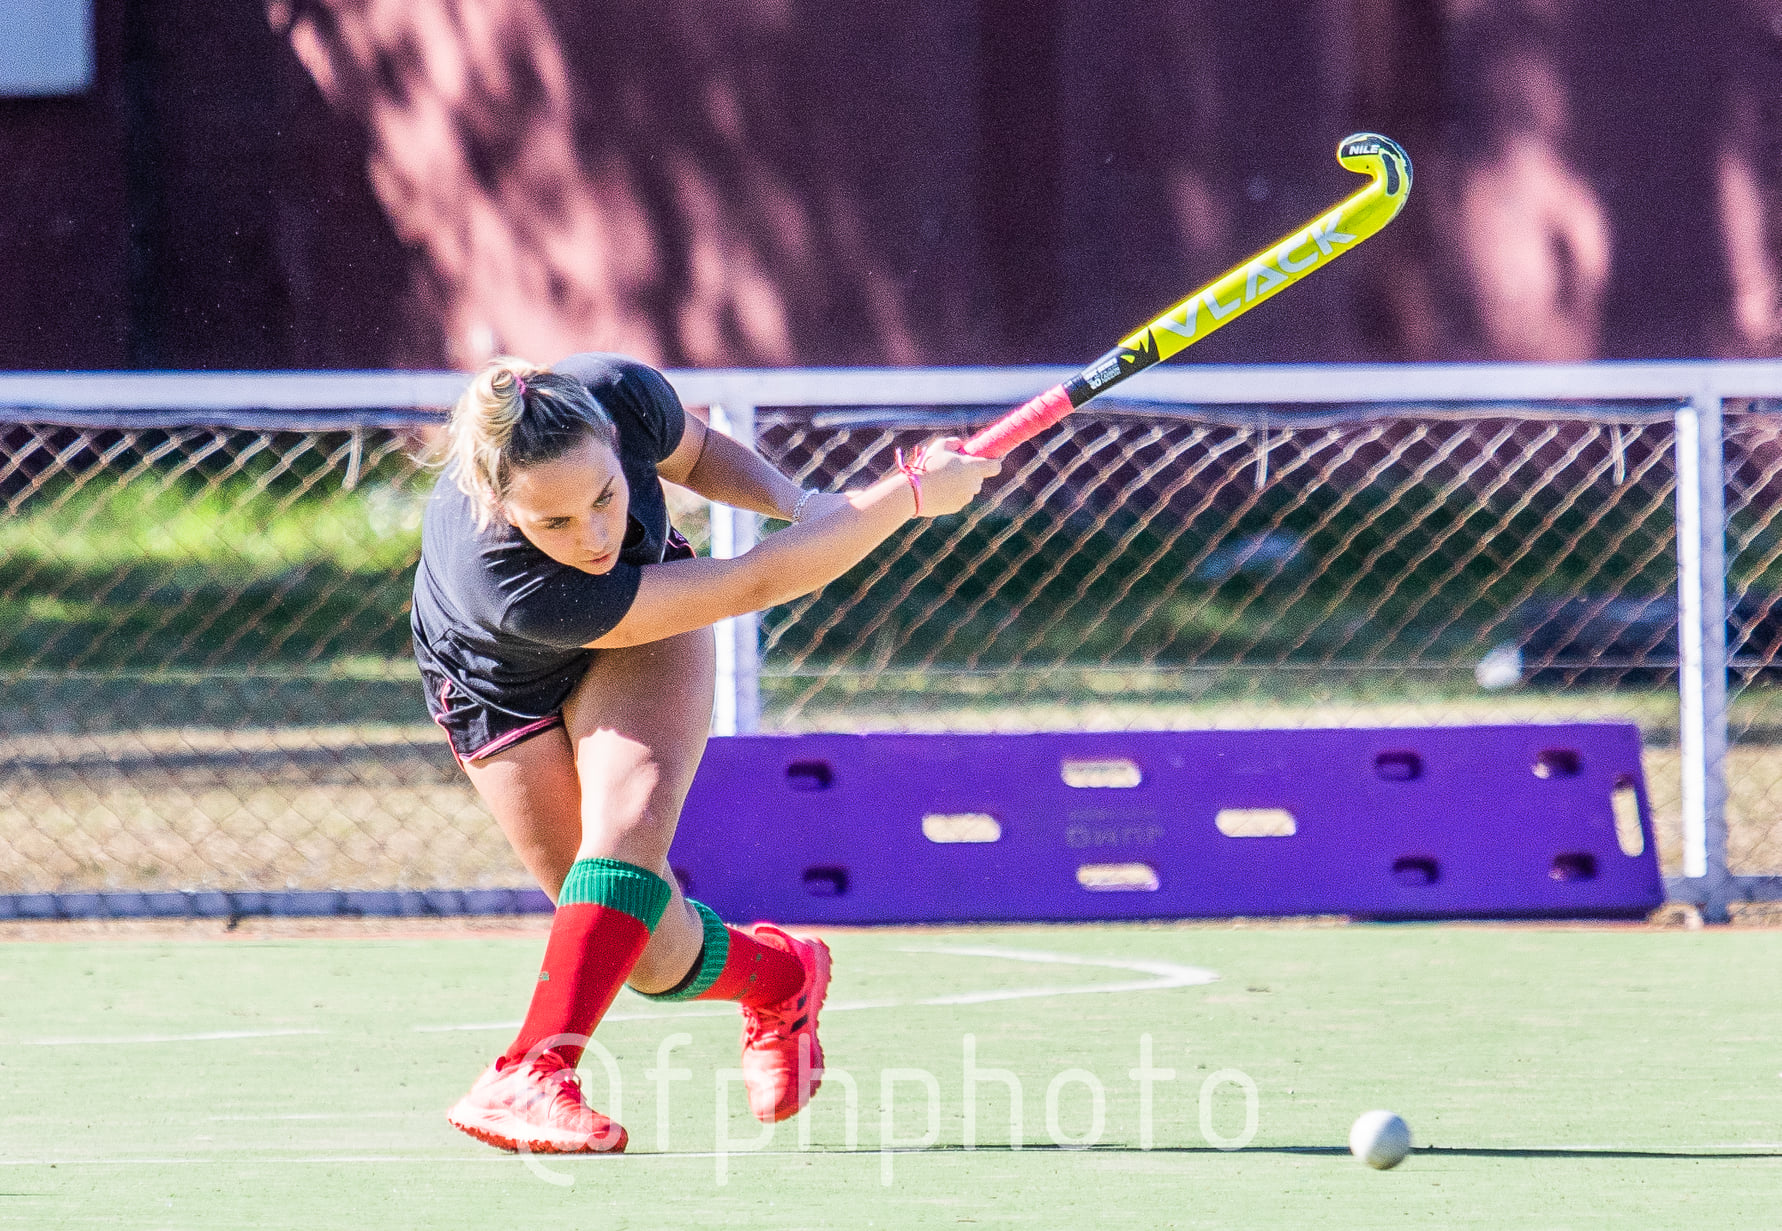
1230,295
943,477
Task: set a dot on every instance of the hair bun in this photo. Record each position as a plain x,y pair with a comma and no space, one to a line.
494,407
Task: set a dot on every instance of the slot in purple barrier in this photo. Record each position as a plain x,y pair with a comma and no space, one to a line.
1385,823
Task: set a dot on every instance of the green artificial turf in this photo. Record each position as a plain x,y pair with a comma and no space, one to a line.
1552,1077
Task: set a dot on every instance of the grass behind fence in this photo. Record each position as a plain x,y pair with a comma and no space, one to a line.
210,573
143,576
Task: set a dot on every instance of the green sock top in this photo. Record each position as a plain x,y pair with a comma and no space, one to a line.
620,886
710,964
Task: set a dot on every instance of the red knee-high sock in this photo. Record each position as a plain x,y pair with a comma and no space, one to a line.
755,974
605,915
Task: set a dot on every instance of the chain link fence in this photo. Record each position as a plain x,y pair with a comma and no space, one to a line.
203,629
203,647
1754,640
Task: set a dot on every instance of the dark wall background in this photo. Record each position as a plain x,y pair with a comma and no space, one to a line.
366,183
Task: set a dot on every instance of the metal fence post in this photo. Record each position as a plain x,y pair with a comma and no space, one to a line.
1701,637
736,709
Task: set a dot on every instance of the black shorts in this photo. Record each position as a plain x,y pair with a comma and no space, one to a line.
474,729
477,730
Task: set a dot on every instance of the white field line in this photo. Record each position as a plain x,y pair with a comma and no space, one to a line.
453,1158
324,1115
1164,975
1743,1145
235,1161
208,1036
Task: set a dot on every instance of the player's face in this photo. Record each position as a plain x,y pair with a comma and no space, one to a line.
575,509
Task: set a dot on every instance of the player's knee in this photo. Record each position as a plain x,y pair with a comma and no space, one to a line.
615,772
641,838
621,812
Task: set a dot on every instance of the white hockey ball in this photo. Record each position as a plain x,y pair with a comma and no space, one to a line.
1381,1139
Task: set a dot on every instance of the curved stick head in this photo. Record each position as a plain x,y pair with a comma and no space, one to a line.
1379,157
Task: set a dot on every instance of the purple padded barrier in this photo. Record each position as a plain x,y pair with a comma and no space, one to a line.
1390,823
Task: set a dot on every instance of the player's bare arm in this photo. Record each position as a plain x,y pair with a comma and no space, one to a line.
721,469
678,596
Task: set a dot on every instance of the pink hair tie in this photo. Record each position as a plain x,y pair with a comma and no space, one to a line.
520,384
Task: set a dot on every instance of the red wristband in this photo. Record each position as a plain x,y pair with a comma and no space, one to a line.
913,471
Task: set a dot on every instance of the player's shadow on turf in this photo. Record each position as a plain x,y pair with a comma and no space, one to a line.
1482,1152
1417,1152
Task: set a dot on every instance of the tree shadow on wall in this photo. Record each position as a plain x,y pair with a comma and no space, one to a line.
691,186
1619,205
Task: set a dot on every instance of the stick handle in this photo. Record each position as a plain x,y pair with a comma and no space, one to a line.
1021,424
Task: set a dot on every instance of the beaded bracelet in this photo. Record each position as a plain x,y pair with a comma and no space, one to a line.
804,498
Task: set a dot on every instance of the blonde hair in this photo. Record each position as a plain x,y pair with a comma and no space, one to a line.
515,414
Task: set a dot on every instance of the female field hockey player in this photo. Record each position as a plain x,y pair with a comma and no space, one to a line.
563,630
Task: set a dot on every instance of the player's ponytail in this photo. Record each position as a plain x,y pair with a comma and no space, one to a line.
515,414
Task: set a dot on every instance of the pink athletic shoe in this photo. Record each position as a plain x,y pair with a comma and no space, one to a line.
535,1104
782,1061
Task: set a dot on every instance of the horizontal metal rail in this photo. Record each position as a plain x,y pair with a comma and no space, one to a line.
27,395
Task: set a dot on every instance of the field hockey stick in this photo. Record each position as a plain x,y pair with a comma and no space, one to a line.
1228,296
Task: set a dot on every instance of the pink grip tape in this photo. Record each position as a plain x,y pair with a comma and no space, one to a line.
1020,424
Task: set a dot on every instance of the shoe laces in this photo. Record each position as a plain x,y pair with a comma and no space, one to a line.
552,1072
777,1021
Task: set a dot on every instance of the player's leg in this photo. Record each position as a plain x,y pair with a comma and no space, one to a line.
591,808
638,723
530,1096
616,777
532,791
780,981
637,754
